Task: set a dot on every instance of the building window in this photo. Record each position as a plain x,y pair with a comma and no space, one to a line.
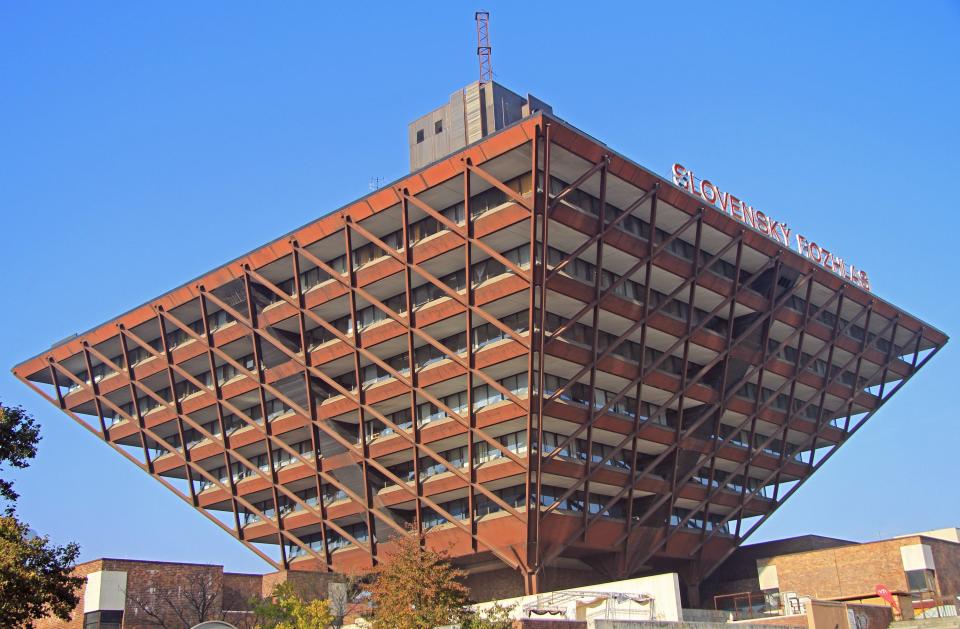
103,620
921,580
438,126
419,136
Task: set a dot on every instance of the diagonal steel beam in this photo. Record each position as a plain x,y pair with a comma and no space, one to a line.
179,494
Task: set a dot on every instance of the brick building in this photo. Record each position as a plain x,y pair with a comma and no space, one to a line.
566,367
138,594
923,567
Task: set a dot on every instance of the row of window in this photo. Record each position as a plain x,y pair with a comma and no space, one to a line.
456,281
638,227
628,289
579,393
281,459
424,228
818,366
137,353
583,334
457,457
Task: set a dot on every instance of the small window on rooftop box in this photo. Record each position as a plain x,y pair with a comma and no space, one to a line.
438,126
419,136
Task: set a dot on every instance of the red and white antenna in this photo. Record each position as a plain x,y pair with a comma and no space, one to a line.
483,45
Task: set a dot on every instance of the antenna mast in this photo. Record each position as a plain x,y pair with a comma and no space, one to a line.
483,45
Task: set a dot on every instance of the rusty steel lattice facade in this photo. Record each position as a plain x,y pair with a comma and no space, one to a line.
557,359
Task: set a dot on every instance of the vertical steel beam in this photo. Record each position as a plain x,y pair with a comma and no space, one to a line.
638,409
412,362
218,395
133,398
471,355
178,409
268,429
594,346
361,393
311,397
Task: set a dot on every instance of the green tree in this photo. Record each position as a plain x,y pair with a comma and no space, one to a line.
417,588
35,576
286,609
19,435
497,617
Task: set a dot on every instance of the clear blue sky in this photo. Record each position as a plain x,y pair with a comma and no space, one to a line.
144,143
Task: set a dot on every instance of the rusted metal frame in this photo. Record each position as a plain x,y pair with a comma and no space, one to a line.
226,402
676,395
541,339
311,403
554,200
856,373
177,407
691,299
355,400
352,447
456,229
96,393
728,338
133,400
742,467
610,290
268,431
170,448
793,386
373,357
644,371
361,394
471,357
56,386
414,377
826,457
639,323
764,345
142,467
493,181
535,318
859,369
240,459
513,334
758,449
890,350
212,363
234,409
408,382
804,479
803,444
724,399
454,356
595,341
721,402
827,375
639,406
605,229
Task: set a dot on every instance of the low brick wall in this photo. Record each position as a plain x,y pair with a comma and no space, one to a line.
543,623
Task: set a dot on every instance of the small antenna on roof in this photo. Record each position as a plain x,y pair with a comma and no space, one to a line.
483,45
375,183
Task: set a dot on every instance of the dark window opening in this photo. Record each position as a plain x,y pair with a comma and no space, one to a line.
419,136
438,126
103,620
921,580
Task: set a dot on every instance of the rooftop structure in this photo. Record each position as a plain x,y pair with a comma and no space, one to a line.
922,569
565,366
